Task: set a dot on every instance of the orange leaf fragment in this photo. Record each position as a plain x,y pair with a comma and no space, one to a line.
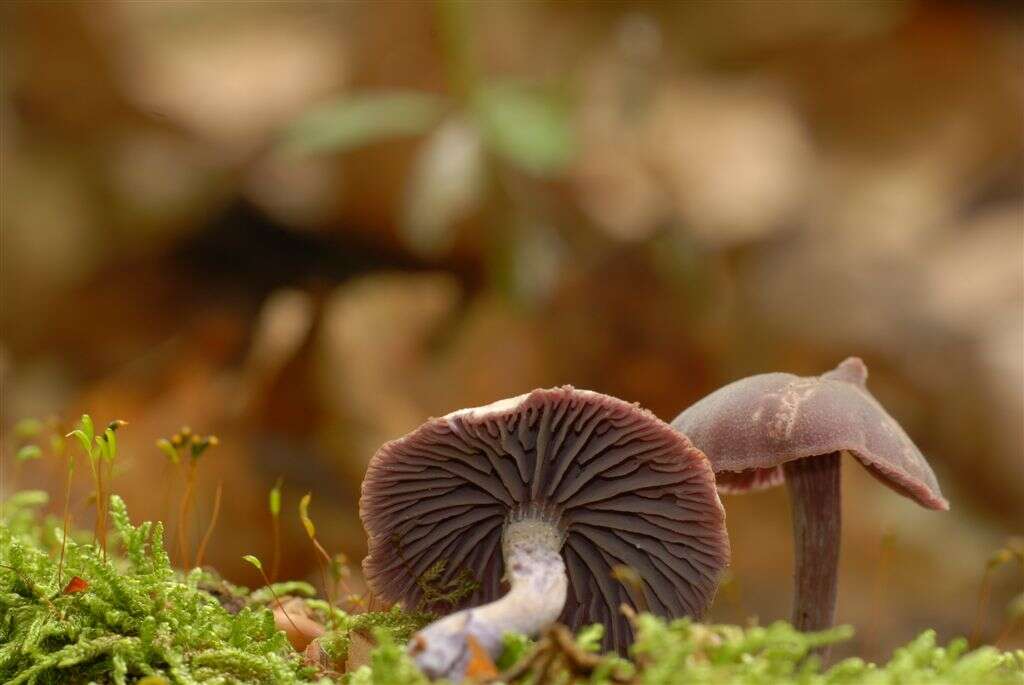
76,584
480,663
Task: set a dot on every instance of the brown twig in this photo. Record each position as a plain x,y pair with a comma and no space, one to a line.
579,659
525,663
543,668
557,645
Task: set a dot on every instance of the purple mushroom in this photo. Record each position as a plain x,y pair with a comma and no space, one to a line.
775,427
549,491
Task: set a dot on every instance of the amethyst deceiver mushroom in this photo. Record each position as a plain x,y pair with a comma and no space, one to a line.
549,490
772,428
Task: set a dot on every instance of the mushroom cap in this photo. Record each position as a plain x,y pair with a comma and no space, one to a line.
749,428
619,483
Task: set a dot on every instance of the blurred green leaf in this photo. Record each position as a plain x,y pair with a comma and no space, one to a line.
28,428
356,120
28,498
29,452
529,127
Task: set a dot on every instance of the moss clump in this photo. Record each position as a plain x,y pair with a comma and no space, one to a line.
139,620
683,651
393,626
136,617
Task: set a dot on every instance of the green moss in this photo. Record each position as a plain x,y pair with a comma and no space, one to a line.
444,595
397,625
137,617
139,620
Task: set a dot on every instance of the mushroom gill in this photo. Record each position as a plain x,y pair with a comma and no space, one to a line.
550,490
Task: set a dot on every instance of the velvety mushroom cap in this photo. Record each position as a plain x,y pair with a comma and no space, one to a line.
751,427
621,485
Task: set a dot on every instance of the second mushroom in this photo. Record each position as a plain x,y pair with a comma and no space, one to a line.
764,430
550,491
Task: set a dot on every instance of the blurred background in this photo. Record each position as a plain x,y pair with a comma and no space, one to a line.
307,226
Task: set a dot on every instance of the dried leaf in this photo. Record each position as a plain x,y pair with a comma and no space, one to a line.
480,663
76,584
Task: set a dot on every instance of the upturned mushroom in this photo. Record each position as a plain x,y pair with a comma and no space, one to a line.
550,491
772,428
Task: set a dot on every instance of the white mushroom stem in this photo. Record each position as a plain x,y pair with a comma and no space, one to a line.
536,572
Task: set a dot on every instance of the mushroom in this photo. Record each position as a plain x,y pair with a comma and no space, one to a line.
570,484
775,427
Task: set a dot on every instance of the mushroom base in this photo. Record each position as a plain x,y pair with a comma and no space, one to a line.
536,573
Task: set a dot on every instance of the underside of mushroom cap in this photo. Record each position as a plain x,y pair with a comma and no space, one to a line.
749,428
621,485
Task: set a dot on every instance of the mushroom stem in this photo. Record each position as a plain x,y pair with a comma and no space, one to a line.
536,572
814,497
